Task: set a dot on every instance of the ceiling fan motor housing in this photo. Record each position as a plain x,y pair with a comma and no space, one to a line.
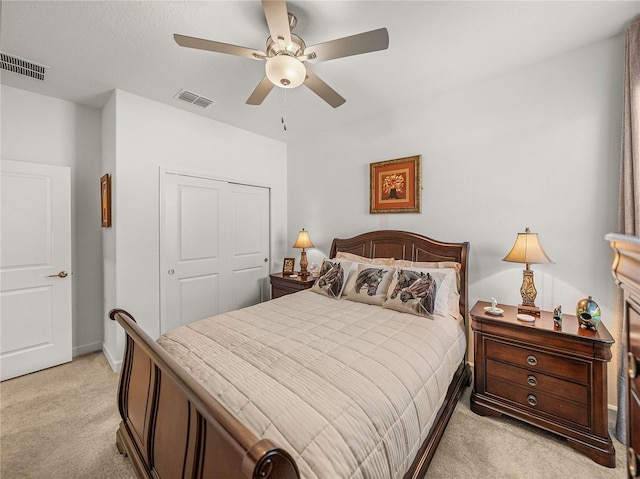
296,48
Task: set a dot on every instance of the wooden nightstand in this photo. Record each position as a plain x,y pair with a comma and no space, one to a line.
549,377
281,285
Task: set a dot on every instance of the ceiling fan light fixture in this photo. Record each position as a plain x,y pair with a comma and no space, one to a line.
285,71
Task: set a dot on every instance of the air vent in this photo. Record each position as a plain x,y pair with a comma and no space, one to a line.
22,67
193,98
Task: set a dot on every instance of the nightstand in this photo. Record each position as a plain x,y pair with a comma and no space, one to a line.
553,378
281,285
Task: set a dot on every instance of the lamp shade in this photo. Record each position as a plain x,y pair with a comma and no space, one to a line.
285,71
303,240
527,249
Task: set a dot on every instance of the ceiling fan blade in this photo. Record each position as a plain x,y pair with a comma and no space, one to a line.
354,45
210,45
275,11
324,91
261,92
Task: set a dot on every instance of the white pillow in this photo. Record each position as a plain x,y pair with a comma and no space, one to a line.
370,284
333,277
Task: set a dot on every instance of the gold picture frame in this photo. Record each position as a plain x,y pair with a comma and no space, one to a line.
396,185
288,267
105,200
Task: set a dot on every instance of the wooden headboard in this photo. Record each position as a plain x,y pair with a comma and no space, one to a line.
411,247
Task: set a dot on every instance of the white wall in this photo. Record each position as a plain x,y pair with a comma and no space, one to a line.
149,136
537,147
41,129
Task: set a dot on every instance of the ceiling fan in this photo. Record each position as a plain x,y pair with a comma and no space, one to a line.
286,54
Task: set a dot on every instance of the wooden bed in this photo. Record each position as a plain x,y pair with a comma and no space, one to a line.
172,427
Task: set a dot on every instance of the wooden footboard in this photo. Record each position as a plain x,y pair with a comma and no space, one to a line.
171,427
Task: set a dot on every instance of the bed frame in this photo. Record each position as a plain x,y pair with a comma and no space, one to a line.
172,427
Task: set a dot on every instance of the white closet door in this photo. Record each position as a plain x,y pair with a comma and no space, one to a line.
35,264
249,243
215,240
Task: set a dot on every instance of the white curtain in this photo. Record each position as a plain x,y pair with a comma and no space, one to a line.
629,209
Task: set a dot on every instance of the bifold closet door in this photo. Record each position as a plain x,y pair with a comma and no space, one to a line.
214,248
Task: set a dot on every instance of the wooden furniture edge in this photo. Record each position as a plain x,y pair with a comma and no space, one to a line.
461,380
625,248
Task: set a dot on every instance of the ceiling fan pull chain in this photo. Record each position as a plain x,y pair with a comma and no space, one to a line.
284,108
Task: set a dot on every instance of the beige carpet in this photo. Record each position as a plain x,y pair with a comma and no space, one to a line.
61,423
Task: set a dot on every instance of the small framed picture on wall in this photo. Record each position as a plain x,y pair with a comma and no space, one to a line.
288,266
105,200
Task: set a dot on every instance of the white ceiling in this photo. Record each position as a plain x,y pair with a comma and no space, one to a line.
93,47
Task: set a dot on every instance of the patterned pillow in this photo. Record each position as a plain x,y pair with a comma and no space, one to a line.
333,278
412,282
431,265
370,285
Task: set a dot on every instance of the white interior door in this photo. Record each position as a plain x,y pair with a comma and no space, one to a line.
214,251
35,267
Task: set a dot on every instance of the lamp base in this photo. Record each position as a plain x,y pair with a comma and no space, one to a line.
303,264
532,310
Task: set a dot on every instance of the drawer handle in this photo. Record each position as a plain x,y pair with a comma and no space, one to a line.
632,462
632,365
532,360
532,400
532,380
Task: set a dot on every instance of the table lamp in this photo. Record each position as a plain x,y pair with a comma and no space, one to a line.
303,242
527,250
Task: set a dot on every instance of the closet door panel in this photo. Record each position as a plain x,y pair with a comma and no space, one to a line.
250,244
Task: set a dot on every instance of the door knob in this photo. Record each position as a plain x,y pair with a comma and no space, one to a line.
61,274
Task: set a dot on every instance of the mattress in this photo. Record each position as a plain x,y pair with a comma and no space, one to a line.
349,389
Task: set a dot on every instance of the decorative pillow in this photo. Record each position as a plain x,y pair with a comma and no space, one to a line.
361,259
431,264
370,285
424,292
333,278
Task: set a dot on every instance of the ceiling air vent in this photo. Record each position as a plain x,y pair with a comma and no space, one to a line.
193,98
22,67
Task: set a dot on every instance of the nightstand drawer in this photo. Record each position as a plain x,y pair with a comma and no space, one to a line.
538,361
283,285
539,401
536,381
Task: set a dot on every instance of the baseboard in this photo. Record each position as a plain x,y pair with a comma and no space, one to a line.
86,349
113,362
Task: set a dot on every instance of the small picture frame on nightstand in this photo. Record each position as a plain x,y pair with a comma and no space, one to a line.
288,266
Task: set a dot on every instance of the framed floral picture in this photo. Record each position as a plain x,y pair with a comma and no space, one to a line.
395,186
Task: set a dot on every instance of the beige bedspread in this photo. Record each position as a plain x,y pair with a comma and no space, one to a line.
349,389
